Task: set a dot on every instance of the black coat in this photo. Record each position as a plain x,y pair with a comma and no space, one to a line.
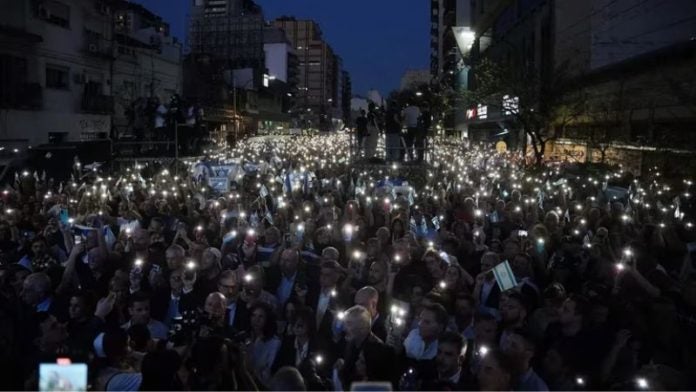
241,320
379,361
287,352
159,303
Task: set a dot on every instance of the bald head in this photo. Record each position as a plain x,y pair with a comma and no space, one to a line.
368,297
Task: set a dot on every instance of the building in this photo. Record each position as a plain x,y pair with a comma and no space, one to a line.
231,31
56,70
147,65
346,98
413,78
226,64
630,59
318,71
449,32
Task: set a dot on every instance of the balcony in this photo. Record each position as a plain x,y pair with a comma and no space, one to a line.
24,96
96,45
98,104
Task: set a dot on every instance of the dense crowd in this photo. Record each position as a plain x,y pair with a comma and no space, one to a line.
473,273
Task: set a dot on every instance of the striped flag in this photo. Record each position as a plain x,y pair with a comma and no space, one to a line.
504,276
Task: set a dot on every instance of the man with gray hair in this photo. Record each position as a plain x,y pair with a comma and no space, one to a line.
36,292
287,378
368,297
330,253
175,256
379,358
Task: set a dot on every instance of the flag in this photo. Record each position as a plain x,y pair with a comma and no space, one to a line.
504,276
305,183
287,186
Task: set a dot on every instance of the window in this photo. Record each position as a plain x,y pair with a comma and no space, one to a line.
511,105
57,77
482,112
54,12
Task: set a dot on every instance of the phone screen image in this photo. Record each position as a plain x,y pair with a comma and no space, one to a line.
55,377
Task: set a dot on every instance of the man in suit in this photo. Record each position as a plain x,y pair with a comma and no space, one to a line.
379,358
36,293
368,297
323,298
283,277
452,374
236,313
172,301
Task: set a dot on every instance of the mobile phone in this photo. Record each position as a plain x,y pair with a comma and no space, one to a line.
522,233
156,268
63,377
138,265
190,271
63,216
77,239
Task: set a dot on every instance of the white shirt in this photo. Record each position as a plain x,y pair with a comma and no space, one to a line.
417,349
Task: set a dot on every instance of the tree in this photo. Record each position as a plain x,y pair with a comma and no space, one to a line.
539,103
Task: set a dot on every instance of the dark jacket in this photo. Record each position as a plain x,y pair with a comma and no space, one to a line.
379,360
287,352
159,304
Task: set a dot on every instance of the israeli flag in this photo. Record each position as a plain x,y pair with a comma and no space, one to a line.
504,276
287,186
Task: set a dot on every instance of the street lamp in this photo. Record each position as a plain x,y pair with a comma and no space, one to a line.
419,94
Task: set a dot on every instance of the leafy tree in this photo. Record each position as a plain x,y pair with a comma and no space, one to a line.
542,104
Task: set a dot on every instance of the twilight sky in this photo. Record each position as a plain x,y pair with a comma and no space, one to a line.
377,39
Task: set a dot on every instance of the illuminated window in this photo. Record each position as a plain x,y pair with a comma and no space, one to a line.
482,112
511,105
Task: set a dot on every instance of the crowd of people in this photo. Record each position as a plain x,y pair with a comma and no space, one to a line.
309,274
405,132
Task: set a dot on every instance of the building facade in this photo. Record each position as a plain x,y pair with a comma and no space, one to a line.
319,92
56,70
629,59
147,65
450,25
